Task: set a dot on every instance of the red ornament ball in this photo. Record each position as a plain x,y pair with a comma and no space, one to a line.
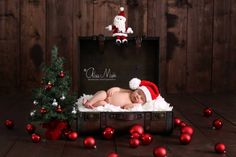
9,123
108,133
112,154
134,143
135,135
207,112
73,136
35,138
137,128
61,74
58,109
43,110
183,124
188,130
220,148
30,128
160,152
217,124
146,139
185,138
89,142
48,86
177,122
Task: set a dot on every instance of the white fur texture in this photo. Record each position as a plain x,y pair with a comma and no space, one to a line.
159,104
134,83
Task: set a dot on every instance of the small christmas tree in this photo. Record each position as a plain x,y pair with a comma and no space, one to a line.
53,103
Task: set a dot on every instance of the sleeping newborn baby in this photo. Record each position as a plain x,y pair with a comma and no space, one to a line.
142,92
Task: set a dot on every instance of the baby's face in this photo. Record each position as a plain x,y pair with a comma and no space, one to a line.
138,96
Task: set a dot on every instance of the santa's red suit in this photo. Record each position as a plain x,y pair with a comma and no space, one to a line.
119,30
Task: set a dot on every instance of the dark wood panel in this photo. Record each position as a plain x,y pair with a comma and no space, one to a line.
9,45
199,45
156,26
192,110
84,17
176,52
74,149
223,104
221,46
32,43
232,58
101,19
60,30
8,64
137,18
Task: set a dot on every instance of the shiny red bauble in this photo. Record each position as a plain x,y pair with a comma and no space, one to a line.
58,109
61,74
183,124
30,128
220,148
160,152
43,110
108,133
185,138
188,130
48,86
146,139
137,128
73,136
9,123
217,124
207,112
89,142
35,138
177,122
134,143
135,135
112,154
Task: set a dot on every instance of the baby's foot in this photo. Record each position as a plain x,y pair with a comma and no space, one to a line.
87,104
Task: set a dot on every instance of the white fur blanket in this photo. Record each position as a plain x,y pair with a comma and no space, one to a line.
159,104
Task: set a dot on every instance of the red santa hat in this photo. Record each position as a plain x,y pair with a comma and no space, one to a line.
122,13
149,88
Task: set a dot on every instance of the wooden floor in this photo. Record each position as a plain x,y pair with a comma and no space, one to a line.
17,143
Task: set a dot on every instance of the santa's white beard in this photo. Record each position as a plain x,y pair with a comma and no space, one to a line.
120,25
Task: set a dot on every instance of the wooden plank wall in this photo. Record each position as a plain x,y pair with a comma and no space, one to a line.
200,52
197,50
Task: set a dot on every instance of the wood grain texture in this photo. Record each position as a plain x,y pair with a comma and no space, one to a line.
84,17
192,110
33,43
156,26
199,46
9,45
101,19
60,30
232,58
221,46
137,18
176,52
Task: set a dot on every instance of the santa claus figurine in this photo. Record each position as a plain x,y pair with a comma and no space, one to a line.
119,29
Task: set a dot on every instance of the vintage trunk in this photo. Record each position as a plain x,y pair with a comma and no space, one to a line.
103,64
153,122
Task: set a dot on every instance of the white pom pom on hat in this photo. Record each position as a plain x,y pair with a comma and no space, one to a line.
122,8
134,83
149,88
